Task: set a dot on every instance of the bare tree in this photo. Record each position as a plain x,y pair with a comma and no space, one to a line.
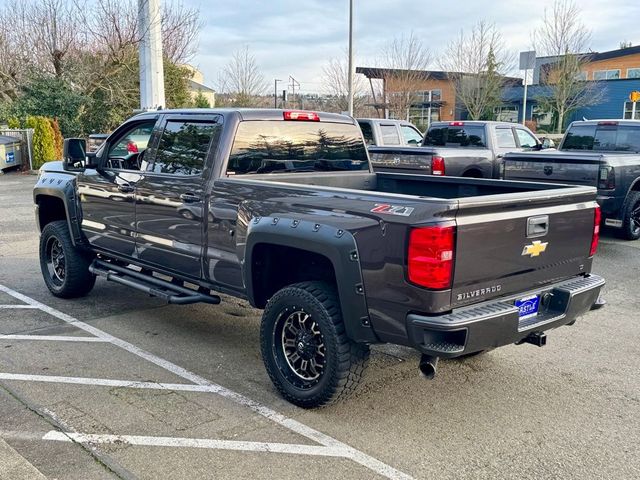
565,38
50,32
335,83
406,60
476,61
241,79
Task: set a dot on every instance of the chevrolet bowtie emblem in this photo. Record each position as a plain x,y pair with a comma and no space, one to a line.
535,249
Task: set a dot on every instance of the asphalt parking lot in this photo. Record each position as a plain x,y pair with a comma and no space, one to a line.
119,385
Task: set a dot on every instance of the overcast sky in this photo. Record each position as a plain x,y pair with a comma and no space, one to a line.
298,37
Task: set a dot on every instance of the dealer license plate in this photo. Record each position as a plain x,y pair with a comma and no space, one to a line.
528,306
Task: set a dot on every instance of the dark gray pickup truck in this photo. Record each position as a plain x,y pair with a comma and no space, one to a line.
458,149
282,208
599,153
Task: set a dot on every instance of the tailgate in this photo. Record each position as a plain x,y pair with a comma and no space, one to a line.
409,158
576,169
508,246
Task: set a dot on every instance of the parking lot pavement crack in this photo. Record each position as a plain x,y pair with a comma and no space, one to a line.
60,425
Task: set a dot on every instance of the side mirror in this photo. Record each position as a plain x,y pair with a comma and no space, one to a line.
74,156
546,143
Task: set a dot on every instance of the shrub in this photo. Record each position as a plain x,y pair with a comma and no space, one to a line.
43,140
13,122
57,137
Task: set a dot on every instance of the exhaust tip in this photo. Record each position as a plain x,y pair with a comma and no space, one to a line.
428,366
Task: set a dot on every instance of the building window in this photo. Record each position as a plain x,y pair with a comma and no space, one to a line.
507,113
542,117
628,111
606,74
633,72
581,76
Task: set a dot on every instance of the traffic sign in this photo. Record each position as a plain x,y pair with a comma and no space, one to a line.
634,96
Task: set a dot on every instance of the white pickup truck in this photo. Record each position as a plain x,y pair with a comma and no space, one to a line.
389,133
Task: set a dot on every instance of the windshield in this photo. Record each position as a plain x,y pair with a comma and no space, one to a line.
456,136
603,138
290,146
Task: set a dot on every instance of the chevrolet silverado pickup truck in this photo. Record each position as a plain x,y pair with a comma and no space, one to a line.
459,149
599,153
282,208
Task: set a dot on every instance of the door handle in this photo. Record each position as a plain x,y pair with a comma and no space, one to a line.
126,188
189,198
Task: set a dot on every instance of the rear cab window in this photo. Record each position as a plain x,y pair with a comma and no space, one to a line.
296,146
603,138
456,136
367,133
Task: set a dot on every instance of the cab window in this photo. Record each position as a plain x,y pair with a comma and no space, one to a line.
504,137
411,135
367,132
526,139
127,152
389,135
183,147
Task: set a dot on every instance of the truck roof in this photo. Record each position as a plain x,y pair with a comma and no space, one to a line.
610,121
402,122
474,122
249,113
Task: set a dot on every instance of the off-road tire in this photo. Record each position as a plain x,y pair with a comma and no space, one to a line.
630,229
77,281
345,360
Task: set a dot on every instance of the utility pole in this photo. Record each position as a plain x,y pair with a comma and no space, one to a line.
350,77
293,83
151,68
275,92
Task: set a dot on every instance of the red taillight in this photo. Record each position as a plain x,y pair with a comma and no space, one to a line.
304,116
437,166
608,123
430,256
132,147
456,124
597,217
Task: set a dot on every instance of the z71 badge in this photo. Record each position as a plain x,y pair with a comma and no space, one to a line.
392,209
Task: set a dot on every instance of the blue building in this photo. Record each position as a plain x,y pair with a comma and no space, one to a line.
617,73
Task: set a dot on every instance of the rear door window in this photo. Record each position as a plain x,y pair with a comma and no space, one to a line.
504,137
183,147
390,135
288,146
456,136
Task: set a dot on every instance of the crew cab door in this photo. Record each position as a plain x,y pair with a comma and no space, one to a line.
171,203
107,197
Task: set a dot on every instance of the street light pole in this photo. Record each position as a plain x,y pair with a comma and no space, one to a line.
350,77
275,92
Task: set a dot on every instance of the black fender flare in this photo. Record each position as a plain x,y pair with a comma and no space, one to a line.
337,245
62,187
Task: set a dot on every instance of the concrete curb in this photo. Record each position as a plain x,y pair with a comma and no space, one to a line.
14,466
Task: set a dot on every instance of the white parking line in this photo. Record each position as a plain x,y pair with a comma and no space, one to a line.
180,442
17,307
327,441
53,338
